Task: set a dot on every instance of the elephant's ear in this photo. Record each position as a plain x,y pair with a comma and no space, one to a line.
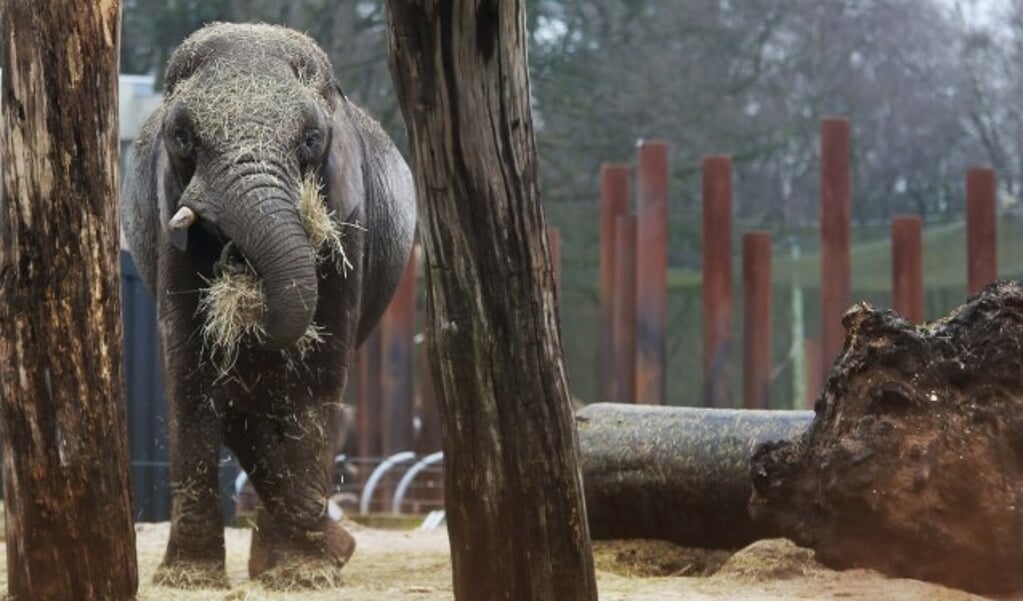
148,197
168,192
384,200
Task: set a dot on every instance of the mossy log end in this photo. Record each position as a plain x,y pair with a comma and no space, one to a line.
912,465
680,474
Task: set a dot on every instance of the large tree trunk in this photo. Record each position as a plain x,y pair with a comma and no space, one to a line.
513,490
676,473
914,462
69,519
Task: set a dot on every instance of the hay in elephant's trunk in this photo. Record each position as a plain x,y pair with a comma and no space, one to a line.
234,301
325,231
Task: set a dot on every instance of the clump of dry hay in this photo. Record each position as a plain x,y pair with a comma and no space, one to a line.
191,575
655,558
325,232
233,303
304,575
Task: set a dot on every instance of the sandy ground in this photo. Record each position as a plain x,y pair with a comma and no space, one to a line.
414,566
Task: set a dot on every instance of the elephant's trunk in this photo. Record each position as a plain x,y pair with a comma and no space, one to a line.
265,225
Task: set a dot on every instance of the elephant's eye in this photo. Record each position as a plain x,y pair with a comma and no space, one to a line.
312,145
182,141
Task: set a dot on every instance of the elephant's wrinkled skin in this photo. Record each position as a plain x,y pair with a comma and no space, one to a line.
249,111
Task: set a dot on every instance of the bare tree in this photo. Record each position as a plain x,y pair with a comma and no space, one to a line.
514,501
68,503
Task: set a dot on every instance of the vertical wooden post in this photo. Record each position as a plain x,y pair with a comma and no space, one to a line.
756,323
516,515
981,228
554,241
836,209
815,372
69,530
614,202
651,272
624,314
398,329
368,411
717,281
907,268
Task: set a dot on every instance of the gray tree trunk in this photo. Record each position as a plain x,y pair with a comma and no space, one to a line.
676,473
513,490
68,503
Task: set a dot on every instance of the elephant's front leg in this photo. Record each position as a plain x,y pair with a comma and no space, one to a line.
195,551
289,458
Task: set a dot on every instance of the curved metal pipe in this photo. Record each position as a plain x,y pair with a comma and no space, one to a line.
378,473
410,475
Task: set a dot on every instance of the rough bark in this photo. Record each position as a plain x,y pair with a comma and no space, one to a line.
68,502
676,473
912,465
514,495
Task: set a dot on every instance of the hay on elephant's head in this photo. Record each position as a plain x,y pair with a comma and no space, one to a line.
324,230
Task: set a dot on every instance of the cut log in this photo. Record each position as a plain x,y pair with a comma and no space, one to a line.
676,473
912,465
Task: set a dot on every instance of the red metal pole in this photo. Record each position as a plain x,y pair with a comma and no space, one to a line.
908,268
554,241
814,371
625,310
756,323
717,281
651,272
836,209
398,331
428,440
614,202
981,231
369,404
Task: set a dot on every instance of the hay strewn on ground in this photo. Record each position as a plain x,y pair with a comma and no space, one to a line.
392,565
414,566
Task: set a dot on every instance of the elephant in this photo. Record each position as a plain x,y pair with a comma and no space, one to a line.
249,113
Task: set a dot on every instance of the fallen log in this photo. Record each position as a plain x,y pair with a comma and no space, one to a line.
676,473
912,465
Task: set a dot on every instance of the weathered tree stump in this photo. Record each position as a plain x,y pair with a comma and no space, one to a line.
680,474
913,463
514,501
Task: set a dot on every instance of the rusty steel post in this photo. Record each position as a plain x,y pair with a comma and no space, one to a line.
369,405
756,322
398,387
614,202
651,272
836,208
624,301
814,371
981,229
428,440
908,268
554,242
717,281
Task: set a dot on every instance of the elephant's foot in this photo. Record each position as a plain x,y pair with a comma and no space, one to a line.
191,574
312,559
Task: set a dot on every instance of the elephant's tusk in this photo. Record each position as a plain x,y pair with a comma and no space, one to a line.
182,219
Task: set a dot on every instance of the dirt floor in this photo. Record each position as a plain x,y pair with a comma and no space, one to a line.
394,565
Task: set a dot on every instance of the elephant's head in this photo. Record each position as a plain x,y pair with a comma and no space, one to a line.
249,115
